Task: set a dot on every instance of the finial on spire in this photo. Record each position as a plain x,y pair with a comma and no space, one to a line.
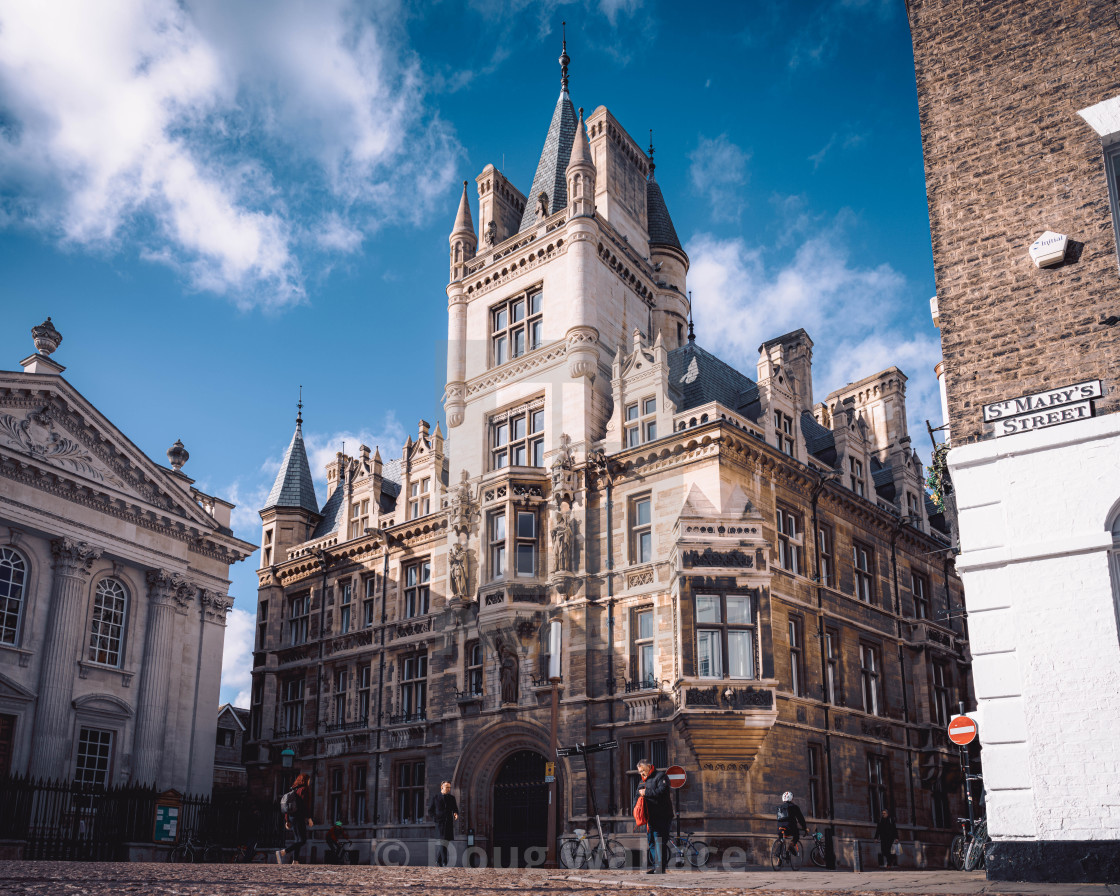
691,329
651,165
564,59
299,410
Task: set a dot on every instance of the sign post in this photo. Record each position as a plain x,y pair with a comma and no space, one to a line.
583,750
677,779
962,732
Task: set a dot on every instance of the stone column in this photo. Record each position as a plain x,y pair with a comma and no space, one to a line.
165,592
57,671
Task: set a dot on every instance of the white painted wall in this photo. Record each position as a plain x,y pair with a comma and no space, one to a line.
1035,516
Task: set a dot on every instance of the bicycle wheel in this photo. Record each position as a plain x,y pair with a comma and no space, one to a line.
698,853
777,853
795,854
616,855
956,852
571,856
816,855
181,853
974,855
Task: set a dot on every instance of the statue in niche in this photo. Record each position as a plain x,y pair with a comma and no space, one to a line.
507,672
542,206
562,537
491,233
457,560
461,505
563,472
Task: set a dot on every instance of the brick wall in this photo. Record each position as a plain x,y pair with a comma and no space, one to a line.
1007,157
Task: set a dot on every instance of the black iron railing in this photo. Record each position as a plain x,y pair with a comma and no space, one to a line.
346,726
641,684
406,717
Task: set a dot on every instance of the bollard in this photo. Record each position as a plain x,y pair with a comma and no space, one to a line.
829,850
857,865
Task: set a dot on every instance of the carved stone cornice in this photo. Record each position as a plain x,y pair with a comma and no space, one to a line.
73,558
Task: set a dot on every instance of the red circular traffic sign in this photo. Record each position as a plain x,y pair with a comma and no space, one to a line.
676,776
962,730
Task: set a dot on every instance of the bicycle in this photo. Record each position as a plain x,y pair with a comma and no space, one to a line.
959,846
194,849
816,854
977,847
247,853
581,852
684,848
782,852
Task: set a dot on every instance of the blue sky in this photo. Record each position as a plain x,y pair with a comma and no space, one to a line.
218,202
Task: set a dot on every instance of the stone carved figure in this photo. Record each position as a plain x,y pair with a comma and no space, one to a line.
507,672
461,506
492,233
542,206
562,538
457,559
563,472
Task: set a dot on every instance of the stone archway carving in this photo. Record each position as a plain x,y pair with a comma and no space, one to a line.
481,760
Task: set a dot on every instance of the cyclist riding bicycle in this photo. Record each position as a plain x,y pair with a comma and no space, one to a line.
791,821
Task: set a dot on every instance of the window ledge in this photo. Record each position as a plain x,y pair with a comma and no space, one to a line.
86,668
24,654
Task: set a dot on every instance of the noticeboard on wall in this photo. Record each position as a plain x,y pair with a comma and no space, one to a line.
169,807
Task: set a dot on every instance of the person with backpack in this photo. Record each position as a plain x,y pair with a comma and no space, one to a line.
791,821
295,804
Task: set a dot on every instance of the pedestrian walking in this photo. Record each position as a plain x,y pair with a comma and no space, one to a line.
886,832
296,806
655,792
445,811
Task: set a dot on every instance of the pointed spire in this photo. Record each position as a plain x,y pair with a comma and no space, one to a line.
294,487
549,192
581,149
564,59
464,223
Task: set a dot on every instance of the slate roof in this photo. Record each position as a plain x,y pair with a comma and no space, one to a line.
334,511
294,486
551,177
661,230
818,439
709,380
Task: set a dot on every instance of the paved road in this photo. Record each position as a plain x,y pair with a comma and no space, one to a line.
141,879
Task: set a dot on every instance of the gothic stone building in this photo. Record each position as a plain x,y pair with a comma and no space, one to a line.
114,572
1020,115
750,585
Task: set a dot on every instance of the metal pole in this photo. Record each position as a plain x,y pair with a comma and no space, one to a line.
967,768
829,843
553,807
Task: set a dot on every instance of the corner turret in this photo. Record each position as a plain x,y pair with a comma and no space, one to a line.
463,240
581,175
292,511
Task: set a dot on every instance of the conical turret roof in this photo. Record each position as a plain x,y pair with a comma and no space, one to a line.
551,177
294,486
581,149
463,220
661,230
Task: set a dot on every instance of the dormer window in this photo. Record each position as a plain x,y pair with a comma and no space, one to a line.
641,425
516,327
359,518
783,432
855,477
419,498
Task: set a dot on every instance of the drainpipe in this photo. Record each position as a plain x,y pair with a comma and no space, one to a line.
324,563
612,809
902,663
380,673
830,841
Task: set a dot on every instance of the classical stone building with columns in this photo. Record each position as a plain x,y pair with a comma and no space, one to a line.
114,572
751,584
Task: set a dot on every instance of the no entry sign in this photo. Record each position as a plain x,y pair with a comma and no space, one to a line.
676,776
962,730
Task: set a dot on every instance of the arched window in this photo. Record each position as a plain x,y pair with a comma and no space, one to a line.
13,586
106,634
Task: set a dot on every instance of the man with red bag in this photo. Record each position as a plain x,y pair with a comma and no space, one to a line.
657,808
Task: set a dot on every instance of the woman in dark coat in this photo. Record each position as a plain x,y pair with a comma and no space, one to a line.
445,811
886,832
659,812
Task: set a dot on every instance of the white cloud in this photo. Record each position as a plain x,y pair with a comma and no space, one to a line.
204,133
237,658
389,437
718,169
861,317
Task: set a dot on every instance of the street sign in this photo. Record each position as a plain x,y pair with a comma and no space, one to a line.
549,769
962,730
567,751
584,749
676,776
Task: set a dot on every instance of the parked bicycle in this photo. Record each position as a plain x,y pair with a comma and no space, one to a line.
582,852
782,851
247,853
682,849
195,849
816,854
969,848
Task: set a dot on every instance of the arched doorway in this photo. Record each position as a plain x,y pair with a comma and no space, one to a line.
520,808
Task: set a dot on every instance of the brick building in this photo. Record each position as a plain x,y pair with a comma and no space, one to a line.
230,748
1020,115
749,583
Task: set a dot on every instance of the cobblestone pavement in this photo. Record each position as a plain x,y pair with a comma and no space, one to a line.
144,879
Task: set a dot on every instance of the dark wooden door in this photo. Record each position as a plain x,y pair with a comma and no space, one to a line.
520,808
